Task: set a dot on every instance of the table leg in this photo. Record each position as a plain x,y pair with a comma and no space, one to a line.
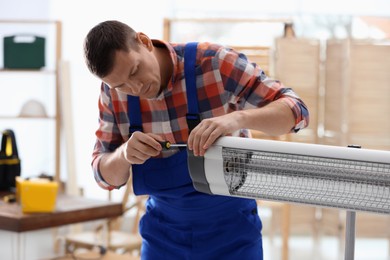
18,246
285,230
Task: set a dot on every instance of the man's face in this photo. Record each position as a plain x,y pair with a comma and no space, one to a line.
135,73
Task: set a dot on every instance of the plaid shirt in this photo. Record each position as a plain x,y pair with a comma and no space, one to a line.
226,82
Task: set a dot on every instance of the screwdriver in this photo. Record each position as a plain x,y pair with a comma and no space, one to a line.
167,145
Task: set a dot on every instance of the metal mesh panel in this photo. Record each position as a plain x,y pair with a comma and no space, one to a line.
328,182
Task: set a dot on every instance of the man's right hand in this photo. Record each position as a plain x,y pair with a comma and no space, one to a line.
141,147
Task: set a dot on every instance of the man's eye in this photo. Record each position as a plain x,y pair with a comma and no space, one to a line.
134,71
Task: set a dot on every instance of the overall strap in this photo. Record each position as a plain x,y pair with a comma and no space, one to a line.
134,114
193,117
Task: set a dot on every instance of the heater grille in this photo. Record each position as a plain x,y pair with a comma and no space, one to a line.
321,181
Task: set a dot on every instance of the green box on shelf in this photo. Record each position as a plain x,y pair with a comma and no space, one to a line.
24,52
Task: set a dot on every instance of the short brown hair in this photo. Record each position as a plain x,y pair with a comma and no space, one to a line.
101,43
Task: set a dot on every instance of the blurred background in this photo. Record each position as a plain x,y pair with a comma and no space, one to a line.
334,54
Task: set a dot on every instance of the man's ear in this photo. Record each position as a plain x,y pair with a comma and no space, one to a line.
145,40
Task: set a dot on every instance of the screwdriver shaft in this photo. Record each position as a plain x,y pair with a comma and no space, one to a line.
178,145
167,145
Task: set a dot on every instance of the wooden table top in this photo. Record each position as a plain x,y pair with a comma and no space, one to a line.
69,210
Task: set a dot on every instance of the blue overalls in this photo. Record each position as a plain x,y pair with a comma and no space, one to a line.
181,223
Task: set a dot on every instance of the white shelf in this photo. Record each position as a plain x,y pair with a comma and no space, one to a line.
51,70
28,117
42,71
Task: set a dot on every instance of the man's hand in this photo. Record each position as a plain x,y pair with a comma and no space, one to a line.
141,147
209,130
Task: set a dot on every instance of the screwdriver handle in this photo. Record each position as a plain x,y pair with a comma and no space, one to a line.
165,145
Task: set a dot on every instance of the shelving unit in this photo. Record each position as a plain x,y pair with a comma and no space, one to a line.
46,72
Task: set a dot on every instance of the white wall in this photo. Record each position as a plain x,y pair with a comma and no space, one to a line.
24,9
147,16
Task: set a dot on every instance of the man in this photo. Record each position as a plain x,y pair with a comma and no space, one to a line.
153,91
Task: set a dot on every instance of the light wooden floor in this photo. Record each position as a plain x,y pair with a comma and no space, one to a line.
39,245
